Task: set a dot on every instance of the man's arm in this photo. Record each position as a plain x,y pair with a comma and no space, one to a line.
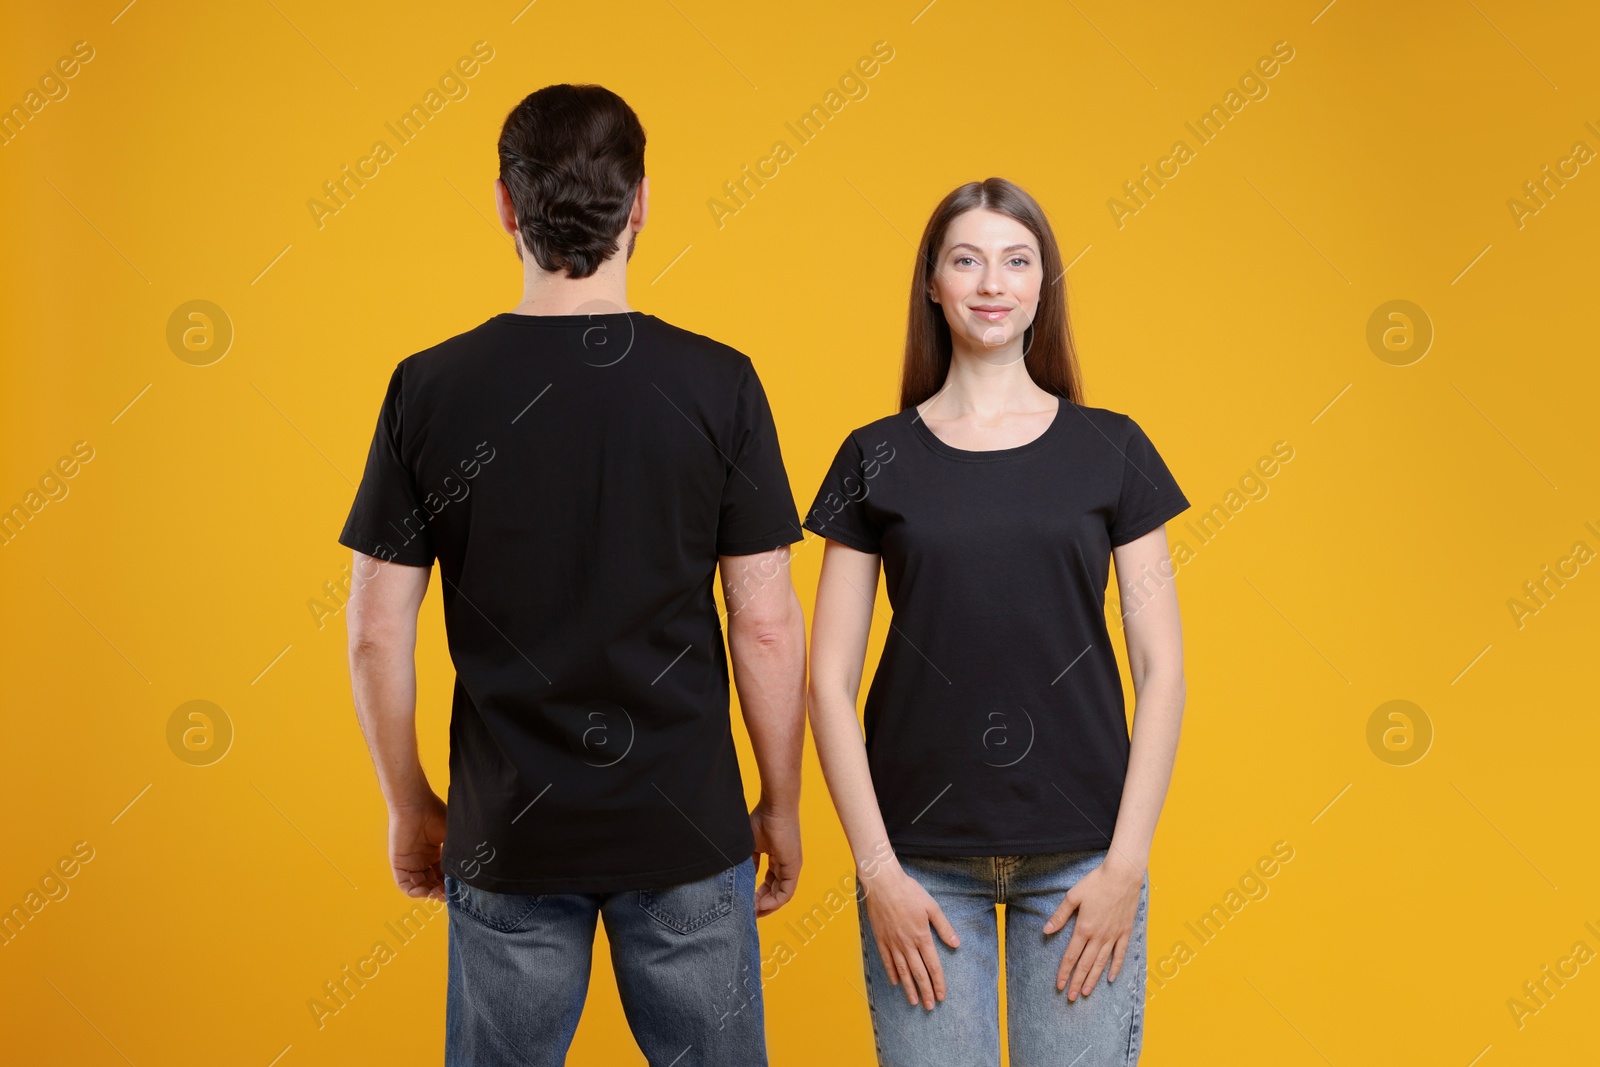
767,643
382,620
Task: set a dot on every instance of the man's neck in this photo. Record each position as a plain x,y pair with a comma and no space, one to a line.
553,293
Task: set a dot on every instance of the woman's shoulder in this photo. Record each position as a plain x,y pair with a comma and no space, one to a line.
1103,416
889,426
1116,425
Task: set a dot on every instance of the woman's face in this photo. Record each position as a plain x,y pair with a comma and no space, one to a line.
987,278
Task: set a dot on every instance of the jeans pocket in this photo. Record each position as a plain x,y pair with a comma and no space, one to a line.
687,907
508,913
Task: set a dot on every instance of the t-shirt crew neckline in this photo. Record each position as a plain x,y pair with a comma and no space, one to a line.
569,320
939,445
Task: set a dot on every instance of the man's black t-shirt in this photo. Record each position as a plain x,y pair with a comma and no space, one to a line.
995,723
577,476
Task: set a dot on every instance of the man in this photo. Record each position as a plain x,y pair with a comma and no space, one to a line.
579,470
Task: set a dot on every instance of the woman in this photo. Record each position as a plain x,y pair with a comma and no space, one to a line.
997,767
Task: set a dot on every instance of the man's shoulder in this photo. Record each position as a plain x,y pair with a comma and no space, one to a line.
643,332
441,354
692,344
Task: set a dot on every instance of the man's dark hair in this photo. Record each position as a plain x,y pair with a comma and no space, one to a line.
572,157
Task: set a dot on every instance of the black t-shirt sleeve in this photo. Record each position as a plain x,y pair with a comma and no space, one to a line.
388,519
757,512
1149,495
839,510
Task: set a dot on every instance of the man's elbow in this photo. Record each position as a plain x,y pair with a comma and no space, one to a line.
776,640
376,641
769,632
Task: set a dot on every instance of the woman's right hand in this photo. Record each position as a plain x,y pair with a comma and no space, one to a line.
901,913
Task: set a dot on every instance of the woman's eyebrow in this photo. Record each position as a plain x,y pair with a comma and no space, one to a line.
975,248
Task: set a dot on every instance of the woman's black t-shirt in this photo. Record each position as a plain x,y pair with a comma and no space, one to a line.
995,723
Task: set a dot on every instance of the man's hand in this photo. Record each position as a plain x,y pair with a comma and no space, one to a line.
777,835
416,842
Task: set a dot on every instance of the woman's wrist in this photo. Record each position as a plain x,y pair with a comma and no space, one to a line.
1123,866
878,860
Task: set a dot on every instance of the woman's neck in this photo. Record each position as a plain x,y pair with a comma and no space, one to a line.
987,384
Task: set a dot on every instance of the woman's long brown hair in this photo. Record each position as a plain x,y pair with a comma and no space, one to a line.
1049,354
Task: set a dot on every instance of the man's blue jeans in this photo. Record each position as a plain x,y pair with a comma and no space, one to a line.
687,960
1103,1029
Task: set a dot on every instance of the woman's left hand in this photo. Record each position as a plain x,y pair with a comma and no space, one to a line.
1106,900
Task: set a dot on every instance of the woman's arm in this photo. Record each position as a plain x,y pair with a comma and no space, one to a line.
1154,633
899,908
1110,894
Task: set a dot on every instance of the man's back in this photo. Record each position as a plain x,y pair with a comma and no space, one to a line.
577,476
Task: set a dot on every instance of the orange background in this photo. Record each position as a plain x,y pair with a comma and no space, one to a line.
1228,313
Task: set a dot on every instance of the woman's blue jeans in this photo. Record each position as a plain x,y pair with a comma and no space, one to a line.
687,960
1103,1029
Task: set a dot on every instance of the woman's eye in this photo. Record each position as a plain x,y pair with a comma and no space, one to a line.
1022,260
964,259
